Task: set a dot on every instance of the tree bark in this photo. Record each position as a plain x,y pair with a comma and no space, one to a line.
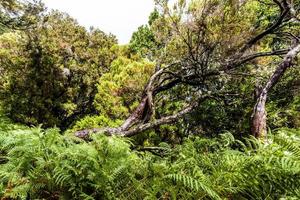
191,70
259,115
158,122
128,132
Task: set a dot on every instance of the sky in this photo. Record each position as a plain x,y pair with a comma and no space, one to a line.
119,17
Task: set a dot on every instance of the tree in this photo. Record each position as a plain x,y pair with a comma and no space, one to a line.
143,41
259,116
51,71
15,14
206,47
119,89
118,92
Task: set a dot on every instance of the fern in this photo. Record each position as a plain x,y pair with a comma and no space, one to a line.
43,164
194,185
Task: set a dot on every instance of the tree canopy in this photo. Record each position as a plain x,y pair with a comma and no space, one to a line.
52,70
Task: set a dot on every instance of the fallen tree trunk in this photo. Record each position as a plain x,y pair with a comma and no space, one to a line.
139,120
120,131
259,115
194,69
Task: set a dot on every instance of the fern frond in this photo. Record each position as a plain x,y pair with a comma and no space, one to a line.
193,184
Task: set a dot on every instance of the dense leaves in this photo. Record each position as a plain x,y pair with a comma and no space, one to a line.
143,41
18,14
51,71
184,89
42,164
118,93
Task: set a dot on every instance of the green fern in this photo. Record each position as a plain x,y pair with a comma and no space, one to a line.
194,185
45,164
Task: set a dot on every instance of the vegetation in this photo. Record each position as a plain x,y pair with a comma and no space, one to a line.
66,62
203,103
42,164
17,14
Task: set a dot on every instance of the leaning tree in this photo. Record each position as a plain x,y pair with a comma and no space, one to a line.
205,43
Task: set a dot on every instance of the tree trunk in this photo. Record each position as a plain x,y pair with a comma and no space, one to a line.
140,127
259,116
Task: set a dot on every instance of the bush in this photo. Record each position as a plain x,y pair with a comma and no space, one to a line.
45,165
42,164
119,92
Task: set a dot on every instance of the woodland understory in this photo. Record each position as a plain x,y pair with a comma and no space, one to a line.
202,103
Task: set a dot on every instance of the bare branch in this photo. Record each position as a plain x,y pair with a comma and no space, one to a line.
284,12
144,126
247,58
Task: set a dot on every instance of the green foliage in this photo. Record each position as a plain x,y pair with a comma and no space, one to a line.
216,169
284,105
89,122
42,164
143,41
16,14
60,75
50,73
119,92
120,89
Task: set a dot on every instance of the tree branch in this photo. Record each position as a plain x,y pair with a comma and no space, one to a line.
284,12
144,126
247,58
259,116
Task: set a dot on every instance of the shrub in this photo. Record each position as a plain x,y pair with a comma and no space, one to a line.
42,164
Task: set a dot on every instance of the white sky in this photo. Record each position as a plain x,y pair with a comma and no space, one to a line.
119,17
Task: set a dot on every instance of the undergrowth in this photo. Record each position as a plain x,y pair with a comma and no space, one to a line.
43,164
